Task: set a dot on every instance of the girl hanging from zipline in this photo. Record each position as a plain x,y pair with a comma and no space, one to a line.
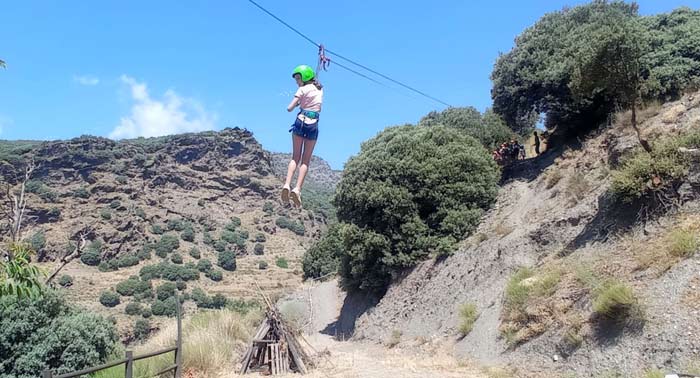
308,97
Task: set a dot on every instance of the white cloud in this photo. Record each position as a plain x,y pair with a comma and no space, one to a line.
88,80
171,115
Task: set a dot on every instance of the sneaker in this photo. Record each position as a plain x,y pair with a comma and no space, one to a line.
296,197
285,195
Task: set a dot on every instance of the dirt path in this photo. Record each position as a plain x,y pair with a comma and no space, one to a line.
351,359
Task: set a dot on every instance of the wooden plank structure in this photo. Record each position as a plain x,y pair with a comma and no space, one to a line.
274,348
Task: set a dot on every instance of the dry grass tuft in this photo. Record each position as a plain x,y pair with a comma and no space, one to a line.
576,189
502,229
553,177
394,339
212,341
468,314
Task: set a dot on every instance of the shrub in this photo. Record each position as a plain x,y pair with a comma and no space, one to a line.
108,266
173,272
167,244
144,253
194,252
641,173
262,265
294,226
157,229
133,309
200,298
109,298
215,275
127,261
227,260
616,301
81,193
411,191
166,290
187,234
37,241
220,246
142,328
260,237
45,332
229,236
268,207
128,288
161,253
176,224
204,265
90,257
121,180
65,280
105,214
115,204
218,301
150,272
176,258
139,212
207,239
516,293
282,263
324,255
167,307
683,243
259,249
467,316
181,285
242,306
146,313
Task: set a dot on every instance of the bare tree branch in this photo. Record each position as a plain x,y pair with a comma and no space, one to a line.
70,256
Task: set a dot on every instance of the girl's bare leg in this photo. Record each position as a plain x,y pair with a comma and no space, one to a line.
308,150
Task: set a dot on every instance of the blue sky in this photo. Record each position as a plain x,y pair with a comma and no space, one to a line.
130,68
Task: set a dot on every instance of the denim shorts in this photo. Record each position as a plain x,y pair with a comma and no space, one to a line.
305,130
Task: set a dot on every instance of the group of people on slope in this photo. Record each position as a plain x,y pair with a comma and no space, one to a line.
509,152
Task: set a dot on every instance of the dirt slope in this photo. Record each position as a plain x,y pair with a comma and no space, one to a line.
555,211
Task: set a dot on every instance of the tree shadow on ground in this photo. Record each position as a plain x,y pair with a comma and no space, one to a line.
354,306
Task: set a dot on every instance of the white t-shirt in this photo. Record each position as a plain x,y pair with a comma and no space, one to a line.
310,97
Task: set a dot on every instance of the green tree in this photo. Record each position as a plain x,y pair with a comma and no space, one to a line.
535,76
412,190
489,128
17,275
612,63
324,255
45,332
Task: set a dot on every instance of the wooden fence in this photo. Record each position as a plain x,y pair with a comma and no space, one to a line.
129,358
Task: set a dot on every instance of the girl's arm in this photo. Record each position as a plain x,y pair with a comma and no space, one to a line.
293,104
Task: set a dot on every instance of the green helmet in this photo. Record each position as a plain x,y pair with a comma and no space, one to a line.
306,72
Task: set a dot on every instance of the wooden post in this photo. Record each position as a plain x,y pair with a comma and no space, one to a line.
46,374
178,351
129,373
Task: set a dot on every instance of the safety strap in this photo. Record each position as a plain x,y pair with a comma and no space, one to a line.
323,61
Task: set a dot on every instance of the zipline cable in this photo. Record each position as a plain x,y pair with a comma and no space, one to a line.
349,60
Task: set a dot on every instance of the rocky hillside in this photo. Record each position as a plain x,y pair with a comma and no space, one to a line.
171,202
533,270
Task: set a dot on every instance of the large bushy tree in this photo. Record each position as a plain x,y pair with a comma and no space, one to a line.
578,65
46,333
487,128
411,191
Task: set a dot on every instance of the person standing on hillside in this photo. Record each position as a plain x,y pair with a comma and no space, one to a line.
309,98
537,144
